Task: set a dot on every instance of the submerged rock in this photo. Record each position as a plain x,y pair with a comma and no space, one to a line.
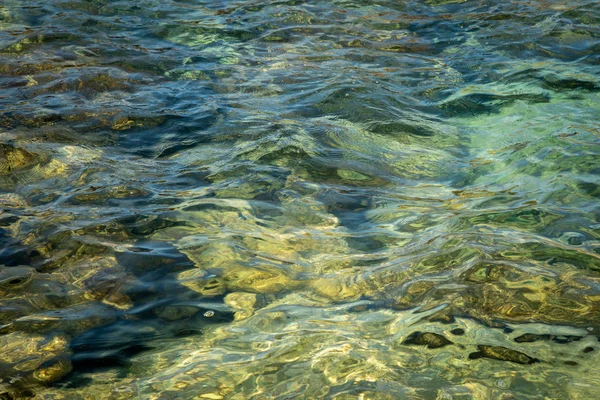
22,167
532,337
568,83
502,292
429,339
14,278
112,345
242,303
27,360
15,158
106,285
502,354
253,280
23,285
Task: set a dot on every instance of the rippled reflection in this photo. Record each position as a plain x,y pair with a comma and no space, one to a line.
284,199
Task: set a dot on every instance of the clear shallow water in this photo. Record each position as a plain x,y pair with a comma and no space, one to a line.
287,199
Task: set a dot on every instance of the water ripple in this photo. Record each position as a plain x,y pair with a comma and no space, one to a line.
277,199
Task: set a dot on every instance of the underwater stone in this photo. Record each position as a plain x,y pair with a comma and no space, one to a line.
106,285
53,371
32,359
174,313
562,339
530,337
573,238
502,354
114,344
14,158
261,281
43,291
429,339
588,349
13,278
200,281
242,303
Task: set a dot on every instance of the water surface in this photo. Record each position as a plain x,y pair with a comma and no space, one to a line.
283,199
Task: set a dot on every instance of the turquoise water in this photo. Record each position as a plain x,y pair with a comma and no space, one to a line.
287,199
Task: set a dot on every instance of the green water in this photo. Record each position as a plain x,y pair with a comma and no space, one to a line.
299,200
